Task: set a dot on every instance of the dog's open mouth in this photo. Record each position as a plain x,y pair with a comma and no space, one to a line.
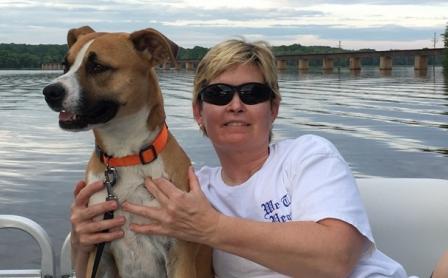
102,112
69,120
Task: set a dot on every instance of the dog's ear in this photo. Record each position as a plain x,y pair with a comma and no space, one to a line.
74,34
155,46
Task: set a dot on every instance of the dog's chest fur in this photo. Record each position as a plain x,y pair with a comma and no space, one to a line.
135,255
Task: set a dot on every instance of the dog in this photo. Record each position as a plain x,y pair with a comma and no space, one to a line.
110,86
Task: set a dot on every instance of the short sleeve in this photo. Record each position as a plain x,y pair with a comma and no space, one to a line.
322,186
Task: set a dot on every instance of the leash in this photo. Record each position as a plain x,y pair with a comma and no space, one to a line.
145,156
110,179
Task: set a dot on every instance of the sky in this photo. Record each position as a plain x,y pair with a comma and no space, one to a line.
377,24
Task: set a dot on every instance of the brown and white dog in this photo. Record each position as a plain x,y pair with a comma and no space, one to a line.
110,86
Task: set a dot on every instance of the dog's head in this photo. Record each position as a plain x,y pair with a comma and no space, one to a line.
107,76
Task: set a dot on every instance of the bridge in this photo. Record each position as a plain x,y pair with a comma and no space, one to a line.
354,59
302,61
52,66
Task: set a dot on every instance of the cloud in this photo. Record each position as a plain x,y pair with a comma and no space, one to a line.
233,4
193,22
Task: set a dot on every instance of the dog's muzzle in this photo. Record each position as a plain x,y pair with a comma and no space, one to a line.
81,116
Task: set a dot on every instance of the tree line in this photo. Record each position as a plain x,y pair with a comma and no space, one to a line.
24,56
445,44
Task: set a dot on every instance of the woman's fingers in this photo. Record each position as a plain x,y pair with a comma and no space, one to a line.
88,226
193,180
155,191
87,213
86,232
100,226
87,241
149,229
153,213
82,198
166,189
79,186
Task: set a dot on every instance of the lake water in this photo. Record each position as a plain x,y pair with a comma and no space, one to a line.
390,125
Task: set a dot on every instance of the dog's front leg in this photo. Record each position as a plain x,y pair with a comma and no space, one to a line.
186,264
106,268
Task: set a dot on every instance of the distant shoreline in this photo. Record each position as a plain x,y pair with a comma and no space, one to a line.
26,56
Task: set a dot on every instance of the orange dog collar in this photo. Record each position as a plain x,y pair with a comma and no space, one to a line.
145,156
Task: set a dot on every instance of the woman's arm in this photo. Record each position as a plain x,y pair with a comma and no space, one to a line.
86,232
329,248
441,269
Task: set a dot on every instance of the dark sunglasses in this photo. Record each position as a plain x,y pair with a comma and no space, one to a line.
249,93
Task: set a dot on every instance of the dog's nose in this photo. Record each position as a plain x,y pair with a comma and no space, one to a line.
54,95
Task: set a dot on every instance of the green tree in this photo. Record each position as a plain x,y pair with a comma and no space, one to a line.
445,44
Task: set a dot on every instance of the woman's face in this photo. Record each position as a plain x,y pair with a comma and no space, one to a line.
237,126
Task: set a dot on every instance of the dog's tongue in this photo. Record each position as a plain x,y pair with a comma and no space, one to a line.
65,116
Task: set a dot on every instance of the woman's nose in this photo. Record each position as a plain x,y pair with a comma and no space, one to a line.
235,104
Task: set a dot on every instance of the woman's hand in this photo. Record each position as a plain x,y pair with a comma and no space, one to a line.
184,215
86,231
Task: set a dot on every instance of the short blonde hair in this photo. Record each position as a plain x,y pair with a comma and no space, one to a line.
233,52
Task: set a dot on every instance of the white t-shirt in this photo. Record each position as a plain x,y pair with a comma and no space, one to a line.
304,179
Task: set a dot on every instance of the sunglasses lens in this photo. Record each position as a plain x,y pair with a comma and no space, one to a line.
249,93
254,93
218,94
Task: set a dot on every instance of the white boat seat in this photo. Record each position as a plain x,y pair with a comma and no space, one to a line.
409,219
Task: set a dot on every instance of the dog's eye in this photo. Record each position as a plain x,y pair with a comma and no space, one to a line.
99,68
95,68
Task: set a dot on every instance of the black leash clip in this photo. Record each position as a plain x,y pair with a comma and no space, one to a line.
110,179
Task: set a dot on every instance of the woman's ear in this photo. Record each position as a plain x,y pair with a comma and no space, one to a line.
275,106
197,113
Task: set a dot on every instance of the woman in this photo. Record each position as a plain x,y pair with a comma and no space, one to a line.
271,210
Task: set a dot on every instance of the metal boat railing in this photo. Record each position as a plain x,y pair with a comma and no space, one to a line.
48,259
66,259
48,267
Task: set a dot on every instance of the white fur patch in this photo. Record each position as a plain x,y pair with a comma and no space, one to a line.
115,133
92,177
70,81
100,196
